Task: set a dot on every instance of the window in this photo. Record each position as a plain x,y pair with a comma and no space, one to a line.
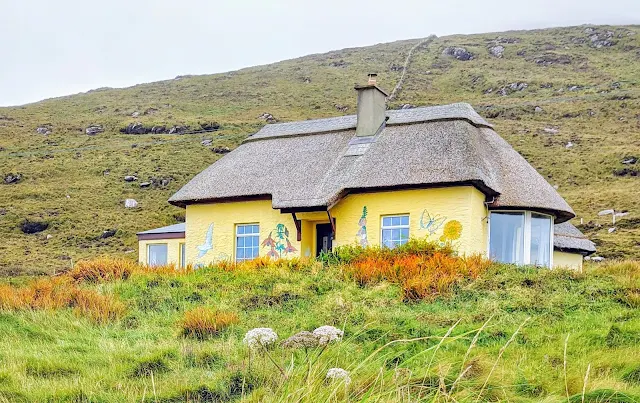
247,242
395,230
157,254
521,238
183,253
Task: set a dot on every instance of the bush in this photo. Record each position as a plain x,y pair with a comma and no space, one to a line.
102,269
201,323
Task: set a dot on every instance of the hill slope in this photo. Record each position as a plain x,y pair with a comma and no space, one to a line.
565,98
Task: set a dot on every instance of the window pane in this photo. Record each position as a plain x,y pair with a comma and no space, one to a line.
404,234
405,220
540,240
240,253
255,229
183,253
157,255
256,252
506,238
240,229
386,221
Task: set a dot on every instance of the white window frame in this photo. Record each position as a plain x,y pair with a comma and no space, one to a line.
527,234
166,245
182,255
391,227
235,249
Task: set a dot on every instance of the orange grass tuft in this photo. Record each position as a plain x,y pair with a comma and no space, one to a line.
201,323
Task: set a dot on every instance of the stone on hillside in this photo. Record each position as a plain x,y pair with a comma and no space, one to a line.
501,39
45,131
12,178
33,227
552,58
538,109
306,80
145,184
626,172
597,258
130,178
150,111
612,229
551,130
210,126
267,117
94,129
160,181
629,160
206,142
407,106
108,233
496,51
396,67
135,114
178,129
2,148
130,203
569,145
511,88
458,52
3,211
134,128
221,150
341,108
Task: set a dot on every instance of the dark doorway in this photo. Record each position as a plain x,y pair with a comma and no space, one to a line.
324,238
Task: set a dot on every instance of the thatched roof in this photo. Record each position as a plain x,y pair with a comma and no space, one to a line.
567,238
312,164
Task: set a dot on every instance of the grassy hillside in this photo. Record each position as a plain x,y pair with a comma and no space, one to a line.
581,86
110,331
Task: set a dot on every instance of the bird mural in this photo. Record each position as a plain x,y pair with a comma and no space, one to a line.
208,243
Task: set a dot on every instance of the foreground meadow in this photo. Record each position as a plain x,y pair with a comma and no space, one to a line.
419,325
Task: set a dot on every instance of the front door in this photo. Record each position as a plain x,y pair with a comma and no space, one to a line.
324,238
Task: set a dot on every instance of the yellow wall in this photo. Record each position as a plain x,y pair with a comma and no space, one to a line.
224,217
567,260
461,204
464,204
173,250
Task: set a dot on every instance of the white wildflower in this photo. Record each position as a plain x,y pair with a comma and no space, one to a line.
328,334
261,336
339,374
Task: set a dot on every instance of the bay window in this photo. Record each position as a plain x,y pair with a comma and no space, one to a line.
521,237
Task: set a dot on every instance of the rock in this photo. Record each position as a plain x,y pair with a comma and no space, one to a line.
546,85
134,128
629,160
396,67
538,110
306,80
158,129
130,178
521,52
210,126
591,112
108,233
145,184
150,111
3,211
160,181
33,227
341,108
548,59
178,129
12,178
625,172
2,148
501,39
221,150
49,236
458,53
569,145
588,30
135,114
267,117
94,129
597,258
340,64
611,230
551,130
45,131
496,51
575,88
206,142
605,212
130,203
407,106
106,172
616,85
556,187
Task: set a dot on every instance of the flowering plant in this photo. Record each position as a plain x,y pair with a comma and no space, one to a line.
338,374
327,334
260,337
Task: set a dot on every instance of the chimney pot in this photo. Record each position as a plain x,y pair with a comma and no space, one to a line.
373,78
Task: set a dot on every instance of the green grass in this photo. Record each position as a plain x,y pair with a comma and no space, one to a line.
516,319
599,118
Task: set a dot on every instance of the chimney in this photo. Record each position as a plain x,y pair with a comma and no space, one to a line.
372,106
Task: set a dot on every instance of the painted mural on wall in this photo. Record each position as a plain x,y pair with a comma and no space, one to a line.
452,231
362,232
278,242
431,223
208,243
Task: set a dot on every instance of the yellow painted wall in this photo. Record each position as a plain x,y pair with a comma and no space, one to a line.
224,217
567,260
173,250
464,204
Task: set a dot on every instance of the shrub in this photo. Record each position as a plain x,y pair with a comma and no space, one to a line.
201,323
103,269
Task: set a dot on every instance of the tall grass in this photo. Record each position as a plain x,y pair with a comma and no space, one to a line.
202,322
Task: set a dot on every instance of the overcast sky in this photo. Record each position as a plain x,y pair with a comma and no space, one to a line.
52,48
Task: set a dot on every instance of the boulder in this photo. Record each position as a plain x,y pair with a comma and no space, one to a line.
130,203
625,172
108,233
135,128
206,142
178,129
551,130
12,178
135,114
538,109
496,51
267,117
210,126
548,59
341,108
569,145
630,160
33,227
145,184
511,88
221,150
130,178
94,129
45,131
458,52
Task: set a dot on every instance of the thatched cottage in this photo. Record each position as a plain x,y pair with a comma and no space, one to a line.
375,178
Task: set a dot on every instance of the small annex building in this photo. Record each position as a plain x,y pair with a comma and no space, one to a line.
378,177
